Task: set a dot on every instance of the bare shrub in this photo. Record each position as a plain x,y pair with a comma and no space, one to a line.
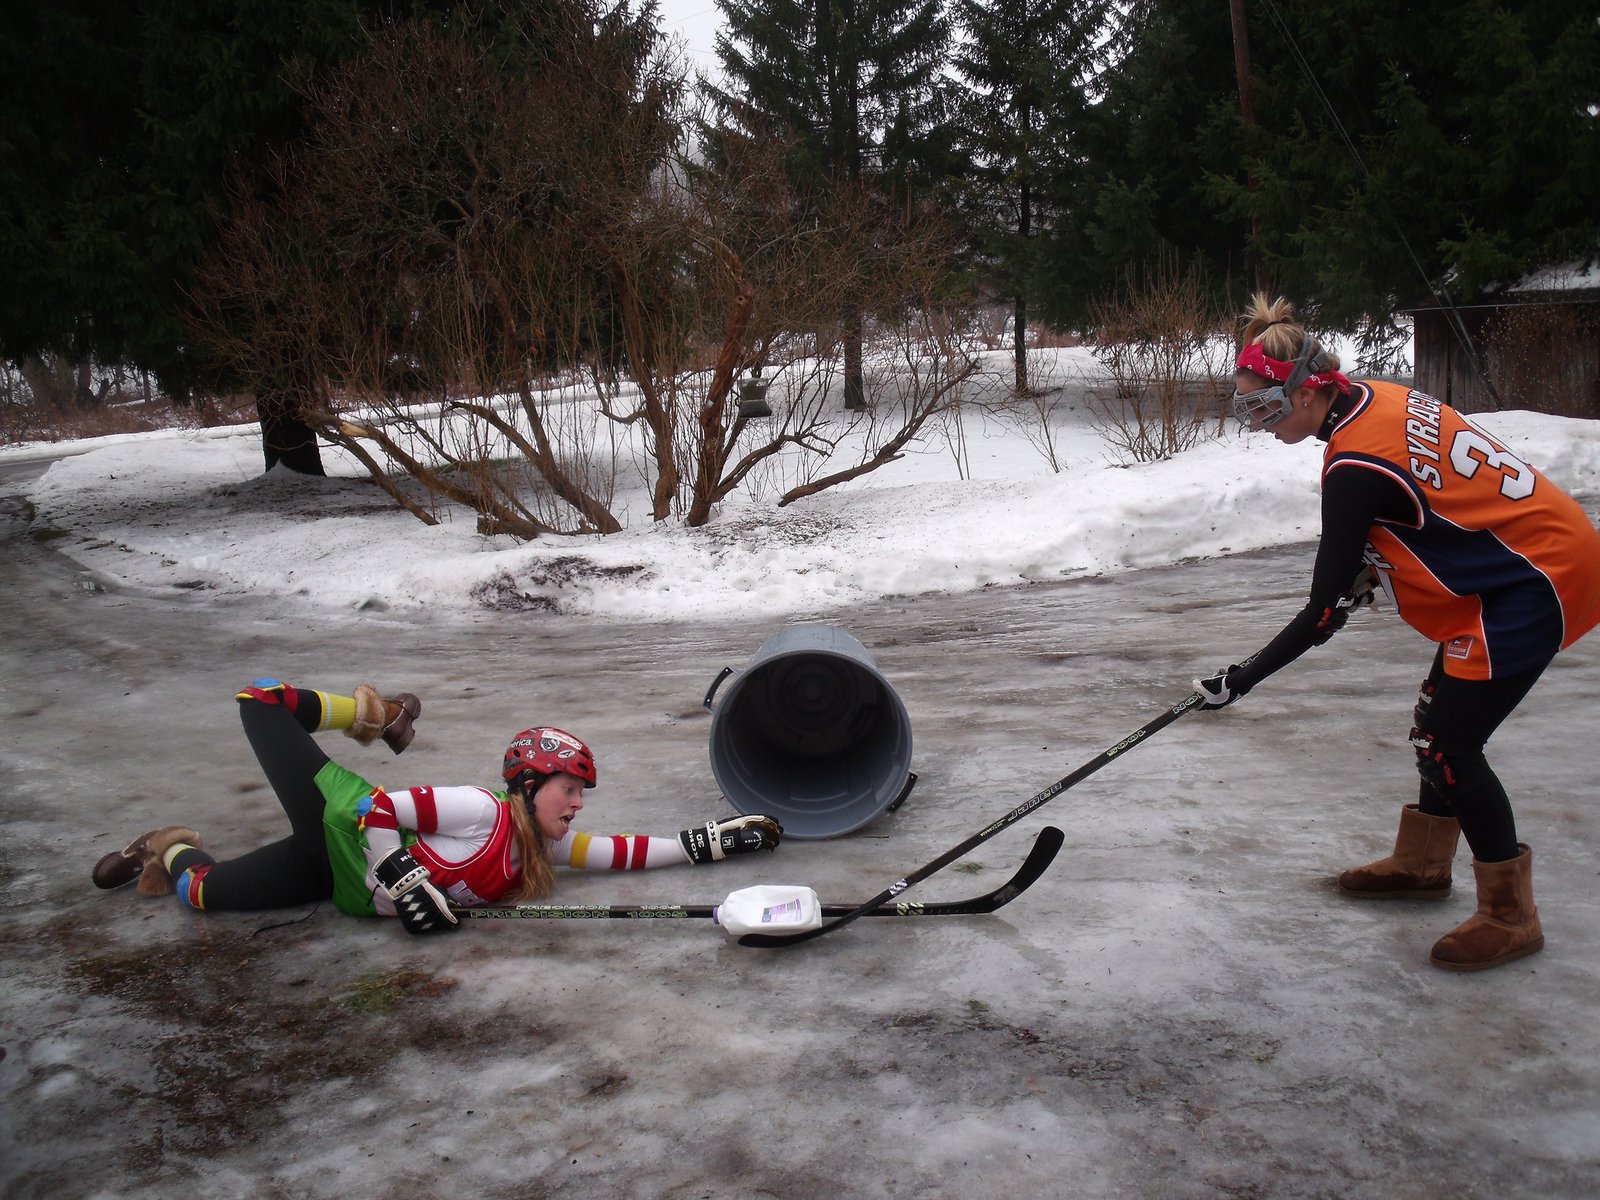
921,347
1044,337
1542,357
417,270
38,403
1034,413
993,322
433,271
952,426
1160,338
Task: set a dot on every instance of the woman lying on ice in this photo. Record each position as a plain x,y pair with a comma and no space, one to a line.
412,852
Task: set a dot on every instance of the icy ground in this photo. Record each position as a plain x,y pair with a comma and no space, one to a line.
1182,1007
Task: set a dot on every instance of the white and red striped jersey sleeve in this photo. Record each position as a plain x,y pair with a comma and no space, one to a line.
454,822
462,835
633,852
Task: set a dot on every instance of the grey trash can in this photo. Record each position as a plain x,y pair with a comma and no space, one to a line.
810,733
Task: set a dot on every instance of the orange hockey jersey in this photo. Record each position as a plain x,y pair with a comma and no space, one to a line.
1496,563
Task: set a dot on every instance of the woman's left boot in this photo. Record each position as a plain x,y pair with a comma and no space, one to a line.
1506,925
141,860
386,717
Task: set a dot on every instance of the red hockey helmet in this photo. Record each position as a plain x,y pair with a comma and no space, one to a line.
546,751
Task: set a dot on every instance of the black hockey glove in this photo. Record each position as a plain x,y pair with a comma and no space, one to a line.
420,906
716,840
1220,690
1360,594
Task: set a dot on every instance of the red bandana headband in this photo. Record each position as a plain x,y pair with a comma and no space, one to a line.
1253,358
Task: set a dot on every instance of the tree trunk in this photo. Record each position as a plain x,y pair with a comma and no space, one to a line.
1019,343
83,391
1019,313
285,436
714,446
855,387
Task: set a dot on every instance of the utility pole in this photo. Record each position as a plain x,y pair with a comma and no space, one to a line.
1247,110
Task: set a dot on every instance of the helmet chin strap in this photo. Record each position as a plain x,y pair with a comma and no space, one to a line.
1306,364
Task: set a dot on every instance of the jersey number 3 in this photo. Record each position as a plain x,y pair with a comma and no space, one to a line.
1470,450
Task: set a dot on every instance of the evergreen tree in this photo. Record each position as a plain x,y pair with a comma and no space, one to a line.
65,172
1453,143
1396,150
121,123
853,83
1030,65
1164,111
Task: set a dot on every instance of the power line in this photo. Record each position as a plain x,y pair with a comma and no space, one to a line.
1440,293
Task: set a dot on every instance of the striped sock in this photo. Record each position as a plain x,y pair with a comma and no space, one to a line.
338,712
198,857
188,876
316,711
191,886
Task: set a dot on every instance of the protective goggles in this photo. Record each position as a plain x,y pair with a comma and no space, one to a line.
1265,407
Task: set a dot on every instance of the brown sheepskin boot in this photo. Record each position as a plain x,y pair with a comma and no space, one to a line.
1506,925
1418,869
389,717
141,860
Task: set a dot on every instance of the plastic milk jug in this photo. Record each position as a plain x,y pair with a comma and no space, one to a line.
769,908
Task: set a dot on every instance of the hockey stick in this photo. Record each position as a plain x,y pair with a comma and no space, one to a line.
1045,848
1187,704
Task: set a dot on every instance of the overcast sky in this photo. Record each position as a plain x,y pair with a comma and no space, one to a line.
696,22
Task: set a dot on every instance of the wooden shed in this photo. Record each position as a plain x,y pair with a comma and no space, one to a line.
1538,340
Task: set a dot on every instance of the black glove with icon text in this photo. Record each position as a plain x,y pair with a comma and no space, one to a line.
715,840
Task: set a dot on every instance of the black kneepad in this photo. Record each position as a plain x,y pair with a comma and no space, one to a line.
1424,700
1446,771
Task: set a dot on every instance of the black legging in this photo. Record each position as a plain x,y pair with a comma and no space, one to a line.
295,870
1461,716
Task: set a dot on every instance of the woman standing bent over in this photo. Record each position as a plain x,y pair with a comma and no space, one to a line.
1480,553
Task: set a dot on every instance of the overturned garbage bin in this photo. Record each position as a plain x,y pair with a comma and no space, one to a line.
810,733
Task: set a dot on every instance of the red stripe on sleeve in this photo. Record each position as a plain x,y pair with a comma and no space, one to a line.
381,814
619,854
427,810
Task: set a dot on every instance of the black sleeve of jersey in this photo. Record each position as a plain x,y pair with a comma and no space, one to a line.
1353,498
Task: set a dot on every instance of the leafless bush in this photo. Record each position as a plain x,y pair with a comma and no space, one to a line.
415,272
29,421
1034,413
994,321
922,347
1043,337
38,403
1542,357
952,427
1160,340
446,249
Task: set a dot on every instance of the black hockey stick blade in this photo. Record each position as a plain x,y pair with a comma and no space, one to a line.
1045,848
1046,845
1188,704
